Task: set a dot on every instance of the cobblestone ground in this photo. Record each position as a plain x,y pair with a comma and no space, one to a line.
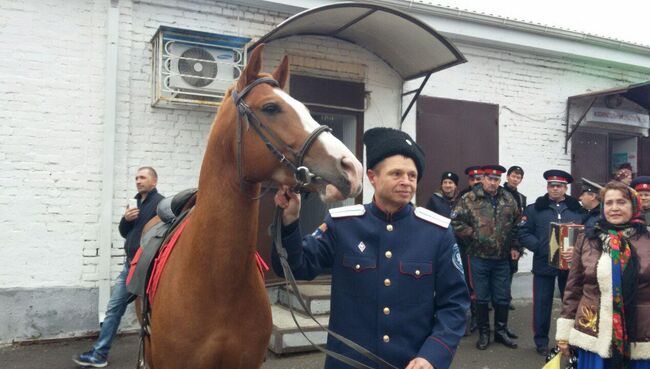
124,353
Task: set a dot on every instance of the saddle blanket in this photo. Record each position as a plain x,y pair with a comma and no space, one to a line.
159,262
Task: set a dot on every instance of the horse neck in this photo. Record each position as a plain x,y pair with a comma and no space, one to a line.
225,212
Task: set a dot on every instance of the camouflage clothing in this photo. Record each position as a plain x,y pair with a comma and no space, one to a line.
488,231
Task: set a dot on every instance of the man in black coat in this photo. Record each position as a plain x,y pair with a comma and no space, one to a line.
514,176
534,231
474,176
590,199
137,214
444,200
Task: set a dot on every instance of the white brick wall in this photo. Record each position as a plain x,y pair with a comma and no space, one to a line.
50,139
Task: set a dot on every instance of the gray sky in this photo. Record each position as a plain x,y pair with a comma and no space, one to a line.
625,20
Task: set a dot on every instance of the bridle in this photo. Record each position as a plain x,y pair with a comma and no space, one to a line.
301,173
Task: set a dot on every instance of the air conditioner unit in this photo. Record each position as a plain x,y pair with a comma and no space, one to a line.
199,69
194,69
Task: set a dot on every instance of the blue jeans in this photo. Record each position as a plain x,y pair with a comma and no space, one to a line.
491,280
120,299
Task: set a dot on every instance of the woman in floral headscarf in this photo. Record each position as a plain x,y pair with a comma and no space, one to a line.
606,307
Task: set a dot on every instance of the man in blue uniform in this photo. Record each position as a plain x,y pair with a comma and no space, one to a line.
534,229
443,201
397,279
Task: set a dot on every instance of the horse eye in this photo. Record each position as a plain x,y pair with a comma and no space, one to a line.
271,108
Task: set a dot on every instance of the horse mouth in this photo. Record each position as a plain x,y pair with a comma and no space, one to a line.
333,191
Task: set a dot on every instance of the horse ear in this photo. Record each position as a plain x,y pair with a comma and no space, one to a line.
281,73
252,68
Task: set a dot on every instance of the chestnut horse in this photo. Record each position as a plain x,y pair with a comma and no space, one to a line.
211,309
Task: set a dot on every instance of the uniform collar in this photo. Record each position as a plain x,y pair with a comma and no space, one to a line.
381,214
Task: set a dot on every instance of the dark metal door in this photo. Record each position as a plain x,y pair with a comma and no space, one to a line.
589,158
643,167
454,134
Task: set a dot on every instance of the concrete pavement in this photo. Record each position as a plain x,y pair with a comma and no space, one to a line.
124,352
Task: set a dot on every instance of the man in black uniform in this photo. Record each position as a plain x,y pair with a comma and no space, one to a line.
590,200
514,176
443,201
474,176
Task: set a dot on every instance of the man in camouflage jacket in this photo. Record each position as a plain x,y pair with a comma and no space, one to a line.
485,219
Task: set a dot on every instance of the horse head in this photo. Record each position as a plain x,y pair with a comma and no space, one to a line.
271,120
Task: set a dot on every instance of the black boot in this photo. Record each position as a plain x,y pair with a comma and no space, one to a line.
472,320
483,318
501,326
511,334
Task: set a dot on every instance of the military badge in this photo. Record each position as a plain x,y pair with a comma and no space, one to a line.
456,259
361,246
523,220
320,230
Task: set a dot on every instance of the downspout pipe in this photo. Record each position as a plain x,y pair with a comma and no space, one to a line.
108,165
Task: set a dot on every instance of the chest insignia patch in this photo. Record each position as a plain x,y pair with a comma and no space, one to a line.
456,259
361,246
523,221
320,230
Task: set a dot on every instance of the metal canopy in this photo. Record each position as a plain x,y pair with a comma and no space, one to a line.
406,44
636,92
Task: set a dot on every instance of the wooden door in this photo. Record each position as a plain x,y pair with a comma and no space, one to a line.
589,158
454,135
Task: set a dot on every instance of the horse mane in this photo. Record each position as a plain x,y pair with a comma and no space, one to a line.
234,85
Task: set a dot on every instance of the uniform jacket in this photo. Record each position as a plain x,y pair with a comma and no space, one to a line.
590,217
441,204
535,227
587,308
488,231
132,231
397,282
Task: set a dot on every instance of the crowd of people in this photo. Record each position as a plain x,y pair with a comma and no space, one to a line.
404,277
603,292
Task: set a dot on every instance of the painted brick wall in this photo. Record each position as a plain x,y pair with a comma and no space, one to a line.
51,103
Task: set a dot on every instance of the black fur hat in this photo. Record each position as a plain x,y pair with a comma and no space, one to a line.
382,142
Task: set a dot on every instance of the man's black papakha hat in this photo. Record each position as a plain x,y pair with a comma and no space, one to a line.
382,142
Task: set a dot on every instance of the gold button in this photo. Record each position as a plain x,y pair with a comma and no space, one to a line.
388,254
386,338
357,267
417,272
386,282
389,228
386,310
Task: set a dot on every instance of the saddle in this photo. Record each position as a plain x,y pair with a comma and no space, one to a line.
172,211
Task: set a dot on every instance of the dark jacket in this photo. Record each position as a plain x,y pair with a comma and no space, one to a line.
586,317
487,225
521,199
535,227
132,231
397,282
590,217
441,204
